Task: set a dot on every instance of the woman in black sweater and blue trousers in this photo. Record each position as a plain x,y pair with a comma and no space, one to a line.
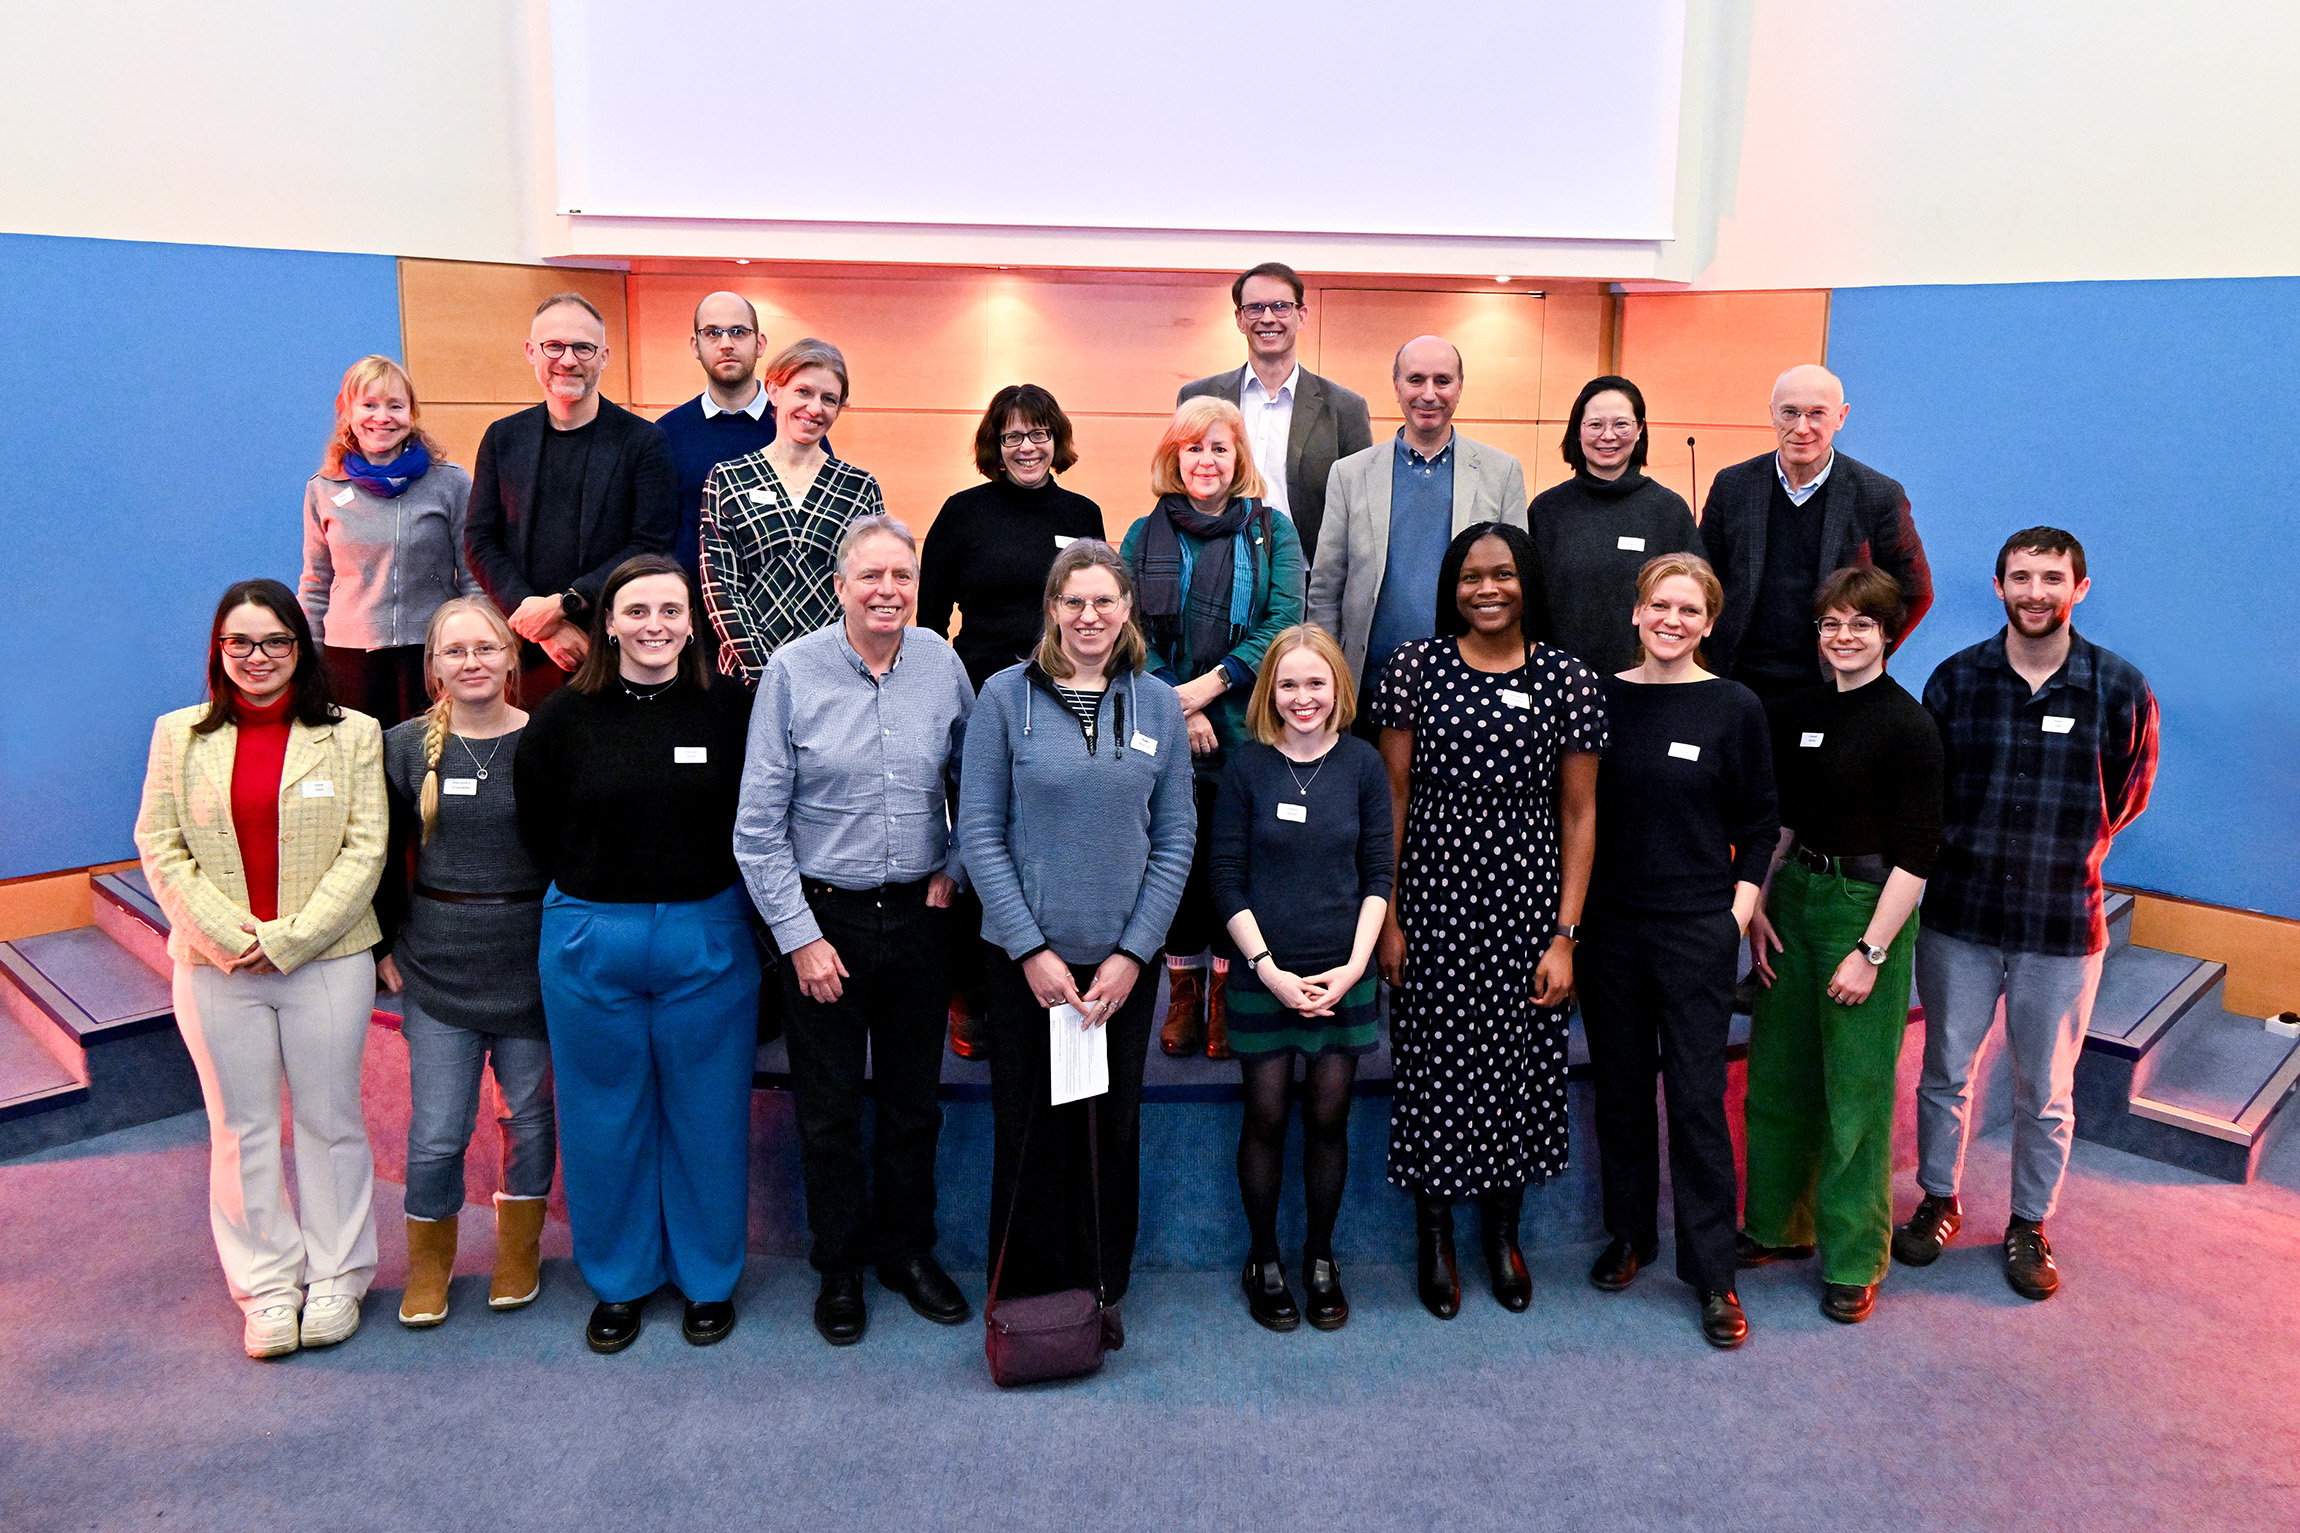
1686,821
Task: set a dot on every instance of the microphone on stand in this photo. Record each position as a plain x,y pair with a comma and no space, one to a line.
1693,458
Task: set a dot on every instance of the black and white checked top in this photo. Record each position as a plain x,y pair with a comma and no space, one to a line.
767,560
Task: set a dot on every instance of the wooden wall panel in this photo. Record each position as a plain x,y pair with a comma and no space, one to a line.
2262,952
1577,333
1712,357
1666,455
462,322
920,458
458,428
1499,333
1109,348
1114,466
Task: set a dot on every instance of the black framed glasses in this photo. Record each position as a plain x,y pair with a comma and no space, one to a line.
1282,309
717,333
239,646
583,351
1037,436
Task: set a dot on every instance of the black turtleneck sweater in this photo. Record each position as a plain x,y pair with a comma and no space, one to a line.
1580,528
987,554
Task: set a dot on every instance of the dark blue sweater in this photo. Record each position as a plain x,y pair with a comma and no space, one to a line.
699,445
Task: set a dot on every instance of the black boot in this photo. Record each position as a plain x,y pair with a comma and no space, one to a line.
1438,1279
1512,1284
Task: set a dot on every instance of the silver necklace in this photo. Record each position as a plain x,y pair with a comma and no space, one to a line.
474,755
638,696
1301,787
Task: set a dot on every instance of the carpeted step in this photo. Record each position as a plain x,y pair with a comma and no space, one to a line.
106,1019
125,911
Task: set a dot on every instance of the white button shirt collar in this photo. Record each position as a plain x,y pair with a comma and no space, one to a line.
1798,497
1269,423
755,409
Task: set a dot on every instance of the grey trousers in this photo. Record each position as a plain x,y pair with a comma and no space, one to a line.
443,1068
2047,1005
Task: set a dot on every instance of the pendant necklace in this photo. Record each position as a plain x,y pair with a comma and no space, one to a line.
474,755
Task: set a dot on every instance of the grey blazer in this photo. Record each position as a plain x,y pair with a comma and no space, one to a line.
1329,422
1354,544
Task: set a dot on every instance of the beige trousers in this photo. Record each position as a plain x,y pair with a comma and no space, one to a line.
247,1033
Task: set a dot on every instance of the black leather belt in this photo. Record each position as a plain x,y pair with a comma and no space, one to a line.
458,897
1866,868
914,891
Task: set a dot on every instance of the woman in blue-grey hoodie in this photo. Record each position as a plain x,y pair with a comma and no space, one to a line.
1076,822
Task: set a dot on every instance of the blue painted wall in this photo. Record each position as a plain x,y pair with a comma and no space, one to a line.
160,409
2155,420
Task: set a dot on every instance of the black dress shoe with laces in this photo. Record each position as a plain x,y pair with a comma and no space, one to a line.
2028,1261
921,1280
1748,1253
1935,1223
1848,1303
1617,1265
1268,1298
840,1313
706,1324
1722,1323
614,1326
1323,1303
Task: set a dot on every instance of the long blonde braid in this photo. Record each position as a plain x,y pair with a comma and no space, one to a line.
434,743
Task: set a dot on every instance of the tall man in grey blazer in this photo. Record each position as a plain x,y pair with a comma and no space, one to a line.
1292,415
1393,508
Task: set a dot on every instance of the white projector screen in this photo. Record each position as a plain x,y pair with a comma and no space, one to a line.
1548,119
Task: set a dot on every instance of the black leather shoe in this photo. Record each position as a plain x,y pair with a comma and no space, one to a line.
1504,1262
1848,1303
614,1326
839,1310
1437,1279
1617,1265
1268,1298
1748,1253
1722,1323
707,1323
1919,1242
921,1280
2028,1261
1323,1303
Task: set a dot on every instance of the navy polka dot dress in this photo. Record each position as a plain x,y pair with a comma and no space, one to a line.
1479,1100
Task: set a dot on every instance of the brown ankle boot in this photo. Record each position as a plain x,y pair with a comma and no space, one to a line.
1218,1014
1185,1030
966,1031
518,1252
430,1263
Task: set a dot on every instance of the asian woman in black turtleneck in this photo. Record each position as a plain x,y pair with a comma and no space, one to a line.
1595,531
987,556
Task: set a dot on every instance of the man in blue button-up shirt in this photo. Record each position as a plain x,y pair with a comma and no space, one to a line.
844,838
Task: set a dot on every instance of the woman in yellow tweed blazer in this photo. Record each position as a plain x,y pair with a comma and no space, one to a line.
262,833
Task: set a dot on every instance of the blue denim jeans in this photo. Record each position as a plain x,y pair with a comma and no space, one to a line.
443,1068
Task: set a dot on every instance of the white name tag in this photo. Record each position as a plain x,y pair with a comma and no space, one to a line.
762,497
690,755
1517,699
318,787
1684,752
2058,723
1298,813
1808,741
1062,542
1143,743
459,787
1630,545
345,498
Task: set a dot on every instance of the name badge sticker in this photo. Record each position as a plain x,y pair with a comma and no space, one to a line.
1298,813
1684,752
459,787
1630,545
345,498
1808,740
2058,723
762,497
1062,542
1143,743
1517,699
690,755
318,787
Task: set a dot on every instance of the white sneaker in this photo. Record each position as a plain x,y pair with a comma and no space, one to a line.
329,1318
271,1332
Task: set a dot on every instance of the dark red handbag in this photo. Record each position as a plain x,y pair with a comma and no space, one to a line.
1050,1335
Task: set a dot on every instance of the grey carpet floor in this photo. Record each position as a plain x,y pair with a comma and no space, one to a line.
2161,1390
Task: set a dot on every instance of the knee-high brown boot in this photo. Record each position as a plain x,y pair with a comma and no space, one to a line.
430,1264
518,1252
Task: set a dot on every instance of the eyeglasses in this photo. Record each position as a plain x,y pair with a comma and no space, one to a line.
1073,606
1819,415
1859,628
1036,437
717,333
1279,310
456,654
1591,426
239,646
584,351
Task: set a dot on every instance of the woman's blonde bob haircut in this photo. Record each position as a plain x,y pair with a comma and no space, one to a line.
804,353
1128,651
1190,424
362,376
1262,717
1694,568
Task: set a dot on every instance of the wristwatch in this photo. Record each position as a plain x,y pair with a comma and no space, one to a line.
1571,933
1875,955
574,604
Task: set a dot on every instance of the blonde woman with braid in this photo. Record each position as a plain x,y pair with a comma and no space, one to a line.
462,910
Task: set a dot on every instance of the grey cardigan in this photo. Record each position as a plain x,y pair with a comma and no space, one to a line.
374,570
1081,851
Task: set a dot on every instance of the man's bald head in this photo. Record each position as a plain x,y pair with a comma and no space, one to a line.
1809,383
1430,354
1808,410
726,309
728,359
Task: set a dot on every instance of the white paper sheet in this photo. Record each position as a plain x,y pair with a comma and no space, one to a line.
1080,1055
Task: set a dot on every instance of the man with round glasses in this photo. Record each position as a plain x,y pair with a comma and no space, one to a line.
1293,417
730,418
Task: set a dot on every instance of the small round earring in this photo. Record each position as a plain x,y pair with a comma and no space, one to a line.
615,640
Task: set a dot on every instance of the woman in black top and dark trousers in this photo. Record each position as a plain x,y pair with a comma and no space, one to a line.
1685,830
1597,530
628,780
987,556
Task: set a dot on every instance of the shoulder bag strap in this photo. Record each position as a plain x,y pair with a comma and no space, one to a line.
1014,1197
1094,1184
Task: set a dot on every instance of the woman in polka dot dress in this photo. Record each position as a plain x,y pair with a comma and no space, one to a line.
1491,740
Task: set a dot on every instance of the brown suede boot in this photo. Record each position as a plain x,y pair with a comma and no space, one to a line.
430,1263
1185,1030
967,1038
518,1252
1218,1014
